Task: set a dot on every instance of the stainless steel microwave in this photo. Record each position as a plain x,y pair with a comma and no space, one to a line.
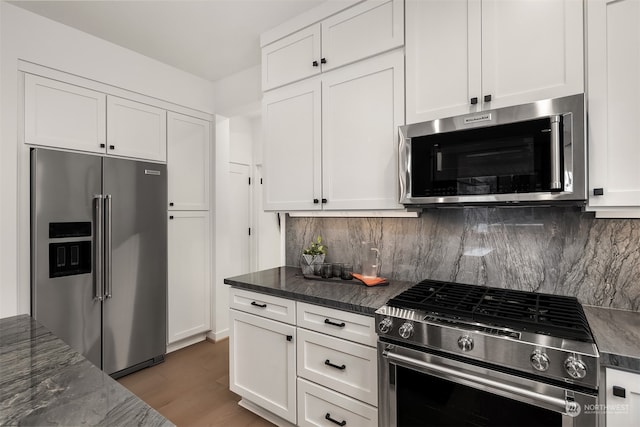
527,154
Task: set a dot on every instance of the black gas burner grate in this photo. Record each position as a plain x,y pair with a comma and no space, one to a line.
554,315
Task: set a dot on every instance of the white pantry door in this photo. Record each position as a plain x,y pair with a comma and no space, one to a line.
239,220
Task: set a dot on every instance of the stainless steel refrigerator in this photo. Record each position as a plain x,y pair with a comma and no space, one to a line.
99,256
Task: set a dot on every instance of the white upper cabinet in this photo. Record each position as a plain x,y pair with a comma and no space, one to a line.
65,116
338,152
188,145
136,130
613,53
292,129
364,30
362,107
292,58
497,54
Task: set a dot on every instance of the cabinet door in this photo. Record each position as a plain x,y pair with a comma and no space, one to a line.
531,50
136,130
442,77
64,116
613,41
291,58
292,150
362,107
366,29
188,141
623,403
189,283
262,363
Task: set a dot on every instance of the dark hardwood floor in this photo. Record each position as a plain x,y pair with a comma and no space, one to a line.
191,388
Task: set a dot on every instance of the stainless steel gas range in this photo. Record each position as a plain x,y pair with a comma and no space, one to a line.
456,354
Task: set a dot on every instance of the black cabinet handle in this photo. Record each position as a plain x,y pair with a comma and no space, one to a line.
112,147
314,63
323,60
328,363
102,145
258,305
316,201
289,337
329,322
171,217
619,391
474,101
598,191
170,203
324,200
340,423
487,98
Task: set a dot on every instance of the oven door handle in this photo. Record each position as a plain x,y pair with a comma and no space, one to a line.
563,406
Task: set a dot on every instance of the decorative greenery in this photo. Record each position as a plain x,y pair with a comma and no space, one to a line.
316,248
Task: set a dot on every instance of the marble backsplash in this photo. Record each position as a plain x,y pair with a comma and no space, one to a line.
550,250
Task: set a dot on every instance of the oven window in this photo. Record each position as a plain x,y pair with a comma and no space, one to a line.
510,158
424,400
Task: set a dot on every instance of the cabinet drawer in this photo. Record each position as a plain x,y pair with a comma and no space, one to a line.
276,308
341,365
341,324
317,406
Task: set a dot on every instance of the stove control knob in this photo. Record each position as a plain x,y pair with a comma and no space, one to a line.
465,343
539,360
406,330
385,325
575,368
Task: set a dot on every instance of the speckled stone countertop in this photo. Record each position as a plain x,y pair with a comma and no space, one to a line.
617,335
45,382
348,295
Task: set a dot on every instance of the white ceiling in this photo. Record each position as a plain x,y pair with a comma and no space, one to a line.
209,38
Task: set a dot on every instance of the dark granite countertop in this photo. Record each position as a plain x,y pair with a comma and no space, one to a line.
348,295
617,332
45,382
617,335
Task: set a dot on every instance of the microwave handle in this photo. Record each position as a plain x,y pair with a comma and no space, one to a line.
404,158
556,167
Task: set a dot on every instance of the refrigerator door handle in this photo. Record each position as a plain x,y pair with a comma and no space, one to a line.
98,260
107,255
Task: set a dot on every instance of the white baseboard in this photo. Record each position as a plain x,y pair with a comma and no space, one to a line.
186,342
272,418
218,335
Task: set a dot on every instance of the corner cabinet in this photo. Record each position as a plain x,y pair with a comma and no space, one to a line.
613,38
622,398
366,29
496,54
331,141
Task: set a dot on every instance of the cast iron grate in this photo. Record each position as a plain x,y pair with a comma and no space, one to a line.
547,314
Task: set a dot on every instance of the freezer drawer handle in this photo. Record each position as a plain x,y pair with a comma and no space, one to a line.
339,325
97,262
341,367
258,305
340,423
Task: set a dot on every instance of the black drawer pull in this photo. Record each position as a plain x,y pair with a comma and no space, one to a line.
289,337
474,101
258,305
340,423
598,191
487,98
328,363
329,322
619,391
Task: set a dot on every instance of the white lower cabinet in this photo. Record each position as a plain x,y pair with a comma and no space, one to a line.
319,377
189,274
622,398
262,359
320,406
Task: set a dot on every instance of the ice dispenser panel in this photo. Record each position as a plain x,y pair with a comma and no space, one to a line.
68,258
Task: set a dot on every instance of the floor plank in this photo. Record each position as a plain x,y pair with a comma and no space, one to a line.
191,388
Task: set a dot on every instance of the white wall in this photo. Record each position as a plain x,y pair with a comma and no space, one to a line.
237,94
29,37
